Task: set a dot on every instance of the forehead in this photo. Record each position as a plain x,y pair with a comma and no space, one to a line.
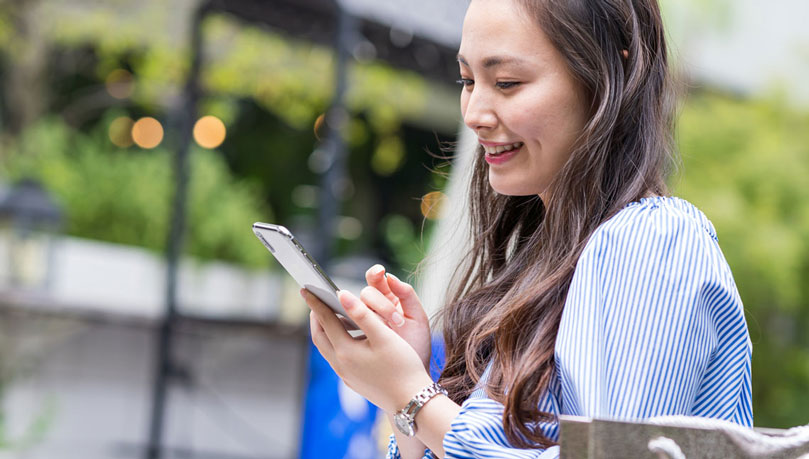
501,28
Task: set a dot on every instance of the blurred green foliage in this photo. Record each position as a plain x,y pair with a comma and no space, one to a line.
747,167
746,161
124,195
290,78
269,89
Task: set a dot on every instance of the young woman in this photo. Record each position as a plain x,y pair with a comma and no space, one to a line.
589,291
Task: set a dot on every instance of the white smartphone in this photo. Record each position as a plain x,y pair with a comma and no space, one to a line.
301,266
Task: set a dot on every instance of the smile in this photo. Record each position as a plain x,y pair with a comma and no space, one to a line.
500,149
501,154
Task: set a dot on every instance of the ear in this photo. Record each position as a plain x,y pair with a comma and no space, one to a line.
625,53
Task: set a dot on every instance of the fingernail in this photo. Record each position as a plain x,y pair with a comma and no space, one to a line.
303,293
394,277
376,269
348,303
397,319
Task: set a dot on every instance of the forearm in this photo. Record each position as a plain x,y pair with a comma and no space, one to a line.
434,420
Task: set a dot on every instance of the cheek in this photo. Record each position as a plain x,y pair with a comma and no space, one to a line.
464,102
531,122
552,119
528,113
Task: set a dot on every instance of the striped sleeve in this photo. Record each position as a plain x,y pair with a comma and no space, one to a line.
477,433
653,324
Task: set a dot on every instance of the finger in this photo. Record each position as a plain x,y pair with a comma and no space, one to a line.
368,321
350,326
331,324
319,337
381,305
375,276
411,304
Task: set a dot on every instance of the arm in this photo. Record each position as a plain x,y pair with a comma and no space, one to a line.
476,432
434,420
403,447
387,371
465,435
652,324
404,315
384,368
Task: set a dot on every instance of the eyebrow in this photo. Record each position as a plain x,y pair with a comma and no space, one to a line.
493,61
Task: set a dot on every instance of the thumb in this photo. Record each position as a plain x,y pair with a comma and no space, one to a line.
411,305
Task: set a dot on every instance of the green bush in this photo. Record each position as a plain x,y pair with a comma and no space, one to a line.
747,167
124,195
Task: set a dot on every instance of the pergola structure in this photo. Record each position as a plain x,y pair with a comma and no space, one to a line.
388,30
418,35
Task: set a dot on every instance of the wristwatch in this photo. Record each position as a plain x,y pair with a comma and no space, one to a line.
405,419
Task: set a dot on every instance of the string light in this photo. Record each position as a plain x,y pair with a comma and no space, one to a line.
147,132
209,132
433,204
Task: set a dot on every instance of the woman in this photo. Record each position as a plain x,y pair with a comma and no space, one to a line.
588,292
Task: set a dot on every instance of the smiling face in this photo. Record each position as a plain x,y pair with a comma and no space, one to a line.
518,96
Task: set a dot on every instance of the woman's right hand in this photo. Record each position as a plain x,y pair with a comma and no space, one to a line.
402,311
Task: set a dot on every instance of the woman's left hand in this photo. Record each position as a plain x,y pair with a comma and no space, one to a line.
383,367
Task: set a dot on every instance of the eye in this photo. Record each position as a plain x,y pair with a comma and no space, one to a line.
507,84
466,82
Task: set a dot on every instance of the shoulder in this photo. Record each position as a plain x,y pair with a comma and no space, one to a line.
668,223
659,240
656,254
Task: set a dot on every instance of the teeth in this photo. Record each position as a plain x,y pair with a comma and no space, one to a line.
502,148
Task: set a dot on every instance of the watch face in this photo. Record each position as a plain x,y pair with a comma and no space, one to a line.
404,424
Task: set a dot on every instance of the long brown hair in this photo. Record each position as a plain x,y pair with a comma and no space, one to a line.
512,289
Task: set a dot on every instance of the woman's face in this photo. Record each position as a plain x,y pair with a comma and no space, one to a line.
518,96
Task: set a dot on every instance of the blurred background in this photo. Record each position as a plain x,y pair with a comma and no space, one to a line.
140,317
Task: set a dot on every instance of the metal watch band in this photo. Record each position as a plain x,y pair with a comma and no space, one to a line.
416,403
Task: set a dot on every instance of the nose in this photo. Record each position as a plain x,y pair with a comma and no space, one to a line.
478,111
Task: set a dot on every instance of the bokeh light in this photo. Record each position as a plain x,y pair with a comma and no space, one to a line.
147,132
121,131
349,228
319,126
433,205
305,196
388,156
209,132
120,84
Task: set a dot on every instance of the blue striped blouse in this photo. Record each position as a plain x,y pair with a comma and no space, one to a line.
653,325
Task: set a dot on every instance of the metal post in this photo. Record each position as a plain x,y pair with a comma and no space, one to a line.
334,147
320,398
182,123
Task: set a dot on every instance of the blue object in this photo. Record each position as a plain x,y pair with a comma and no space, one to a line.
337,423
438,357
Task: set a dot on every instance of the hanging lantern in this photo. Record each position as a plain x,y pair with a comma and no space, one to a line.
29,222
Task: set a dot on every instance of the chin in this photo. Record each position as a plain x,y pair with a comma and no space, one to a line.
512,188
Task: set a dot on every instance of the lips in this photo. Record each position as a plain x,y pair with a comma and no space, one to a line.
493,149
499,157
